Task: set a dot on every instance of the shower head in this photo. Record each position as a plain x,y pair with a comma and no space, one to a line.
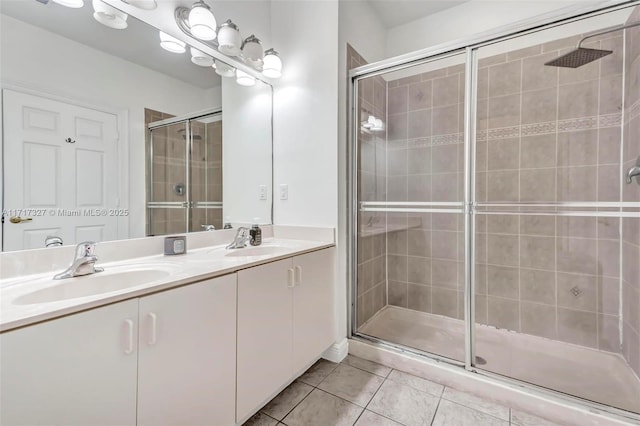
578,57
581,55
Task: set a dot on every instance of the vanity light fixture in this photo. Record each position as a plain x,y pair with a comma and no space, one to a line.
229,39
142,4
223,69
272,66
172,44
108,15
201,59
252,51
70,3
244,79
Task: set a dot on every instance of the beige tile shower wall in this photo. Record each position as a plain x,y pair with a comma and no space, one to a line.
631,192
372,282
550,134
425,163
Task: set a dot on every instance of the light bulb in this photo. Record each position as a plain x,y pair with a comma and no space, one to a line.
272,66
223,69
229,39
109,16
70,3
252,51
244,79
202,22
172,44
200,59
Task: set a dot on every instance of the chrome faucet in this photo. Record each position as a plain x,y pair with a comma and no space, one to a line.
634,171
208,227
241,239
83,263
52,241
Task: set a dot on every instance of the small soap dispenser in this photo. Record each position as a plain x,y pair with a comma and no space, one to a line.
256,233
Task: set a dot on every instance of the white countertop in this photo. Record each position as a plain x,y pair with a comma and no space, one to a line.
196,265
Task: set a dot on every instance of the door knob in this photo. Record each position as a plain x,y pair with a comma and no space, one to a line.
18,219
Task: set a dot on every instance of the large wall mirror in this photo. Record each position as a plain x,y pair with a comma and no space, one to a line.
108,136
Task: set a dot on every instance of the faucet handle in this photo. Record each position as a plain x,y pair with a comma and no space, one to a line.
85,249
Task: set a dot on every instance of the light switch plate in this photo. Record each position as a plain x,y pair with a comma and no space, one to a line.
284,191
262,189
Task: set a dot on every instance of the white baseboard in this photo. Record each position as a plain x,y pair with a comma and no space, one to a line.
337,352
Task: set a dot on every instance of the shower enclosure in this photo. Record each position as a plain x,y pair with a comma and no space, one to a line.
492,223
184,173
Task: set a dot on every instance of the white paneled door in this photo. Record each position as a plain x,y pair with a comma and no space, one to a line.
60,172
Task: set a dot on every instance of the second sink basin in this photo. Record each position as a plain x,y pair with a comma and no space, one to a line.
91,285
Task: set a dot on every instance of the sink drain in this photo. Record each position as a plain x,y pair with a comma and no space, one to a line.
480,361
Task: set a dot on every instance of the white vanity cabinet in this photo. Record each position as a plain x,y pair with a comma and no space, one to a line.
174,351
187,355
75,370
285,322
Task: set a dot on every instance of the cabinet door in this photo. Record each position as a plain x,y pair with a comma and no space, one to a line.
313,307
187,364
76,370
264,334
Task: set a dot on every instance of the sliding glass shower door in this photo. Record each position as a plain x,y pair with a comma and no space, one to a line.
548,188
509,246
185,175
410,220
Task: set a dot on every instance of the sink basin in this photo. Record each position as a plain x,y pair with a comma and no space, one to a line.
91,285
256,251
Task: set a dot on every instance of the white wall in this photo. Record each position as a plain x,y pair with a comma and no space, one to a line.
468,19
246,152
43,61
305,111
306,120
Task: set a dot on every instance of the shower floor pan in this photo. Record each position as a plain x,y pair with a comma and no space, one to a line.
591,374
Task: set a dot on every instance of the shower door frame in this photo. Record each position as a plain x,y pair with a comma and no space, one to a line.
470,47
189,204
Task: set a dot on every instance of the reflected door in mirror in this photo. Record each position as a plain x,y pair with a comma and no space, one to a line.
61,172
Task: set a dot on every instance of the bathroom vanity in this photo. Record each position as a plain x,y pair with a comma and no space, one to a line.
208,338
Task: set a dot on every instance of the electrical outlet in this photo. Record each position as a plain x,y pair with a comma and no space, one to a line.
263,192
284,191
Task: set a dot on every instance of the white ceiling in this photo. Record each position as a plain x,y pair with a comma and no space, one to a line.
139,43
398,12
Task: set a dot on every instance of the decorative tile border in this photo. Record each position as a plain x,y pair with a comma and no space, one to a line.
503,133
560,126
539,128
438,140
544,128
632,112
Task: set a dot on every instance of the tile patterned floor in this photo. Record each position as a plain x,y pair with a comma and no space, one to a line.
363,393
